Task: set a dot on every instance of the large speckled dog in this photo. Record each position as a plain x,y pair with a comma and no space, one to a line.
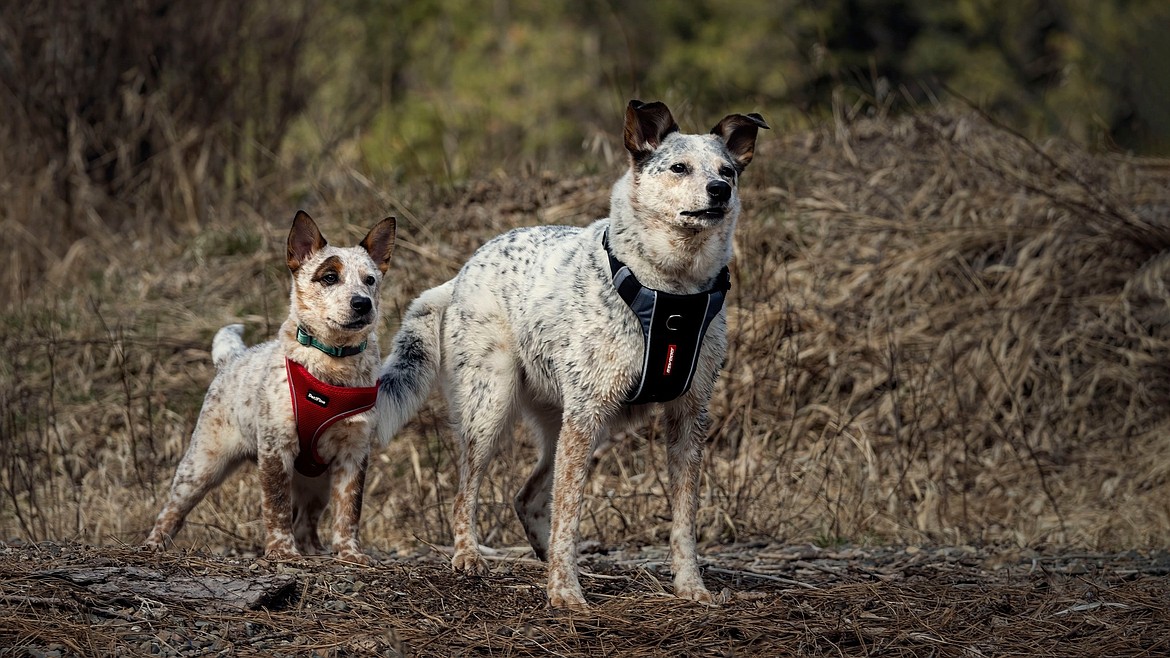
534,325
263,398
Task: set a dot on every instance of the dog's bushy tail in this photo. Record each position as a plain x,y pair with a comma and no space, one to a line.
409,370
227,345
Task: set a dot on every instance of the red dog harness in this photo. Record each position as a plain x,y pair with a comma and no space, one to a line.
317,406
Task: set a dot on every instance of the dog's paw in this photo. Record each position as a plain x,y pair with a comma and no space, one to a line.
567,598
282,552
701,594
157,540
354,557
469,563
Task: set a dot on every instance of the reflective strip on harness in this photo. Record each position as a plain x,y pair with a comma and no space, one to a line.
317,406
673,327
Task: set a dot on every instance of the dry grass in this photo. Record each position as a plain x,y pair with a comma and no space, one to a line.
129,120
941,333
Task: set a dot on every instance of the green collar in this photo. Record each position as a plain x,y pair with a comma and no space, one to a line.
305,339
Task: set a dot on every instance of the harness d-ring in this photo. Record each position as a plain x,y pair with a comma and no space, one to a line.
673,327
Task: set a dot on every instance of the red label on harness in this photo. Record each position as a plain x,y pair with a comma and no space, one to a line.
670,350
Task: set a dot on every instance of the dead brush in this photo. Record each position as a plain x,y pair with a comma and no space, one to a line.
943,333
134,121
964,310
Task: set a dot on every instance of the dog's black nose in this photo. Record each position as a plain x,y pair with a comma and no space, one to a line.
361,304
719,190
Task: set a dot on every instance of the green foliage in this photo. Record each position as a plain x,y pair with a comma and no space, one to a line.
458,88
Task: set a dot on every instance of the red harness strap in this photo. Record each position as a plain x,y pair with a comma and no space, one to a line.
317,406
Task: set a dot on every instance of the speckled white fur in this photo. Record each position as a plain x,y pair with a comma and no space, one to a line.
532,326
248,412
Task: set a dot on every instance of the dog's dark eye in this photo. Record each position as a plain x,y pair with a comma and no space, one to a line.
370,279
727,171
330,278
678,168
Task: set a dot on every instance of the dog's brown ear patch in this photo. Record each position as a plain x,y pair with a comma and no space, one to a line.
379,243
304,240
647,124
738,131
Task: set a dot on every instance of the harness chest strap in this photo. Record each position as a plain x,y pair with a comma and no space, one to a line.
317,406
673,328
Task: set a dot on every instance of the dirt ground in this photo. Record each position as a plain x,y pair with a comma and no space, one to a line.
61,599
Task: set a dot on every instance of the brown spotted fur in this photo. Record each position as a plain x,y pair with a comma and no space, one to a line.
248,414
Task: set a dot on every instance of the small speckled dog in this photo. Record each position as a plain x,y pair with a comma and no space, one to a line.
282,403
534,325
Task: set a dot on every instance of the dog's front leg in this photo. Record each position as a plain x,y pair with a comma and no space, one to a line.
574,447
349,482
274,461
686,432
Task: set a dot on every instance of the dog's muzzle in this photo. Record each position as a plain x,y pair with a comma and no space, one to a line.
719,191
361,307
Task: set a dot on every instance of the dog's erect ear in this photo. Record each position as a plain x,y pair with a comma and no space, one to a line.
379,243
304,240
738,131
647,124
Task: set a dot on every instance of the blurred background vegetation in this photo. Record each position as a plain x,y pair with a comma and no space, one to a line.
134,116
439,87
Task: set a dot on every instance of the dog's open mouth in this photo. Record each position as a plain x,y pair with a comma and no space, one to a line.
712,213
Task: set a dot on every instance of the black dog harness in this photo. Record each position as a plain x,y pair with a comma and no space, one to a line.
673,327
